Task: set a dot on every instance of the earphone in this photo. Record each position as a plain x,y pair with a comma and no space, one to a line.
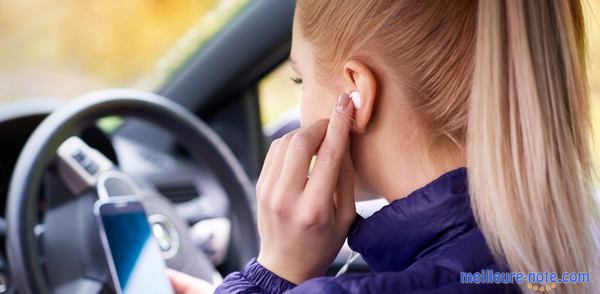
355,96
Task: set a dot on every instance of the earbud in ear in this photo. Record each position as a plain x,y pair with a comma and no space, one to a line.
355,96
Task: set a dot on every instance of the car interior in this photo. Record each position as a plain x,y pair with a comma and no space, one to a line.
194,148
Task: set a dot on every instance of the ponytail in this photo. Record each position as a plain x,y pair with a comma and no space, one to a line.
528,138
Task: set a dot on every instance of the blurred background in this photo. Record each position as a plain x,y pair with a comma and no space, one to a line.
61,49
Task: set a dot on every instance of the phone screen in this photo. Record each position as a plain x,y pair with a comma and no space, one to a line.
135,255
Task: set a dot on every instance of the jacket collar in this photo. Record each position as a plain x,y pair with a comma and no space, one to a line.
406,229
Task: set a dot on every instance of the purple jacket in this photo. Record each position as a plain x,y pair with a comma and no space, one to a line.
418,244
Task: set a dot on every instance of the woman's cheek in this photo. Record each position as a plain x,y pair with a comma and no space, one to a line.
304,111
313,107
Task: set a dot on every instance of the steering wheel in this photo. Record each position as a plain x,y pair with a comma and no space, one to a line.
59,250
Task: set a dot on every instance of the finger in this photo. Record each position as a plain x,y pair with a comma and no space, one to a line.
329,157
303,145
345,206
186,284
277,156
181,282
265,168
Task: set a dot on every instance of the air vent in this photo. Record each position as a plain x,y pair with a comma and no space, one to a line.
179,192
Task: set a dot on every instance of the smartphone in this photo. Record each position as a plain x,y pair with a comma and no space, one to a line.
134,258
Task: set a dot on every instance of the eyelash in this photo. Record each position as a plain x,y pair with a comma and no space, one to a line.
296,80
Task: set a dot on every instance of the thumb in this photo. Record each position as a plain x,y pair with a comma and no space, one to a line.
186,284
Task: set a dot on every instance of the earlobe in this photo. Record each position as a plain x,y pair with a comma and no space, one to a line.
362,84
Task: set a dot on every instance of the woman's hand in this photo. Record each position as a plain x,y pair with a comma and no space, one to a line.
303,221
185,284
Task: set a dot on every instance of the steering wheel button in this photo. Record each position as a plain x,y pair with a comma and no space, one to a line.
78,155
91,168
86,161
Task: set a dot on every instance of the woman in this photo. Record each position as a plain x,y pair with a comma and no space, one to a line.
473,122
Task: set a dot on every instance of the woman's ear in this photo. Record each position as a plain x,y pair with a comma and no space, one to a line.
360,78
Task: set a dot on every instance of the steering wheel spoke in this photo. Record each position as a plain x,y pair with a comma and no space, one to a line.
81,166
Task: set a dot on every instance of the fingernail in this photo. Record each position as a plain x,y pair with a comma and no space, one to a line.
342,103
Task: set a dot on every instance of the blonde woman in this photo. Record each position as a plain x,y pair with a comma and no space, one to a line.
469,117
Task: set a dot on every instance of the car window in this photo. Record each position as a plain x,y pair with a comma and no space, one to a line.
62,49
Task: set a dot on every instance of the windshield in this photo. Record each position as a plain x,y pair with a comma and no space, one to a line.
62,49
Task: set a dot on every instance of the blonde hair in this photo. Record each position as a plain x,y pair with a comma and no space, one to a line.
505,81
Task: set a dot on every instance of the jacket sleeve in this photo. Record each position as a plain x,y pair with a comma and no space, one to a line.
254,278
